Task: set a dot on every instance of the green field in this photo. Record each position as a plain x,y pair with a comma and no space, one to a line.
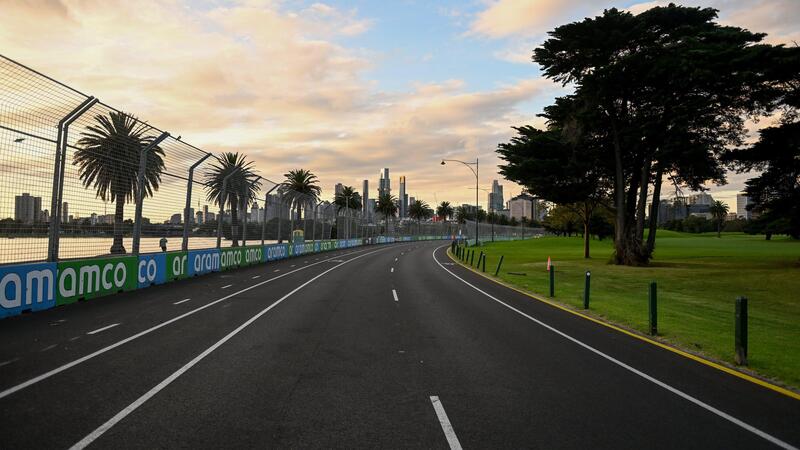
699,277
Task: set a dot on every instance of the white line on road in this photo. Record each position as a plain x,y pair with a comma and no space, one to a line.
103,329
49,347
5,363
181,301
277,270
226,286
395,260
391,270
255,277
108,348
638,372
449,432
394,294
91,437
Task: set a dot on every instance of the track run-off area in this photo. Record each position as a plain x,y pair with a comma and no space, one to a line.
390,346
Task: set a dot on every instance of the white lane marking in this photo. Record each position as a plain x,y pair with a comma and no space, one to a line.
277,270
255,277
5,363
638,372
108,348
181,301
449,432
226,286
103,329
395,260
292,265
91,437
49,347
391,270
72,339
394,294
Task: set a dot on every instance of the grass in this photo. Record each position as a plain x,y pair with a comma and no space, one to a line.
699,277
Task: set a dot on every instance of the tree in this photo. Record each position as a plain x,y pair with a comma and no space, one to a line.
348,198
386,205
419,210
301,188
481,215
719,211
562,220
444,211
240,189
461,214
661,93
108,157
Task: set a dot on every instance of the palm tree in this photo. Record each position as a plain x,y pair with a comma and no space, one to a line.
444,211
301,189
240,190
347,198
461,214
386,205
108,160
419,210
718,211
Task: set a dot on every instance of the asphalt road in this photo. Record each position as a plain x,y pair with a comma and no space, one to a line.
384,347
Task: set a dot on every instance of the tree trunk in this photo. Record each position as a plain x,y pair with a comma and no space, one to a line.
619,200
642,205
117,247
653,226
234,227
587,215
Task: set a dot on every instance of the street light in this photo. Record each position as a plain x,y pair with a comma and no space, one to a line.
474,171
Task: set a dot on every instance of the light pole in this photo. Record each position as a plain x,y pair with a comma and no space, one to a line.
474,171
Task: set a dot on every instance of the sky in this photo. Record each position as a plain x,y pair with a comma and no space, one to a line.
342,88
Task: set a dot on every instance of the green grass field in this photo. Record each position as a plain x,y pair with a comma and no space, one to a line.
699,278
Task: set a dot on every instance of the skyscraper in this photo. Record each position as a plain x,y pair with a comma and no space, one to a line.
338,189
496,197
65,213
384,184
402,199
27,209
365,198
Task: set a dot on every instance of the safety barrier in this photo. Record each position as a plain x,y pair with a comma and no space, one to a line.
40,286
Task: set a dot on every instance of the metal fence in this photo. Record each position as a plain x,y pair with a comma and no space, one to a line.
488,232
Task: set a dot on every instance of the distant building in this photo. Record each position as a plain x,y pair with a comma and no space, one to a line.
198,218
742,202
206,217
27,209
175,219
371,208
65,217
209,217
384,183
701,198
496,197
365,198
672,209
93,219
338,189
403,199
731,216
107,219
411,201
256,213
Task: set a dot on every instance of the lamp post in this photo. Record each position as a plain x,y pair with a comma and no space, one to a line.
474,171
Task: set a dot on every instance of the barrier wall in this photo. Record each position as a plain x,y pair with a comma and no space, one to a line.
39,286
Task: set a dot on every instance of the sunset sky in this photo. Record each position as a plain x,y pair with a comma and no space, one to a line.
342,88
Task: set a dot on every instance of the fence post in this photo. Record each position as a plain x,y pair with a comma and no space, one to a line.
140,191
246,204
500,263
653,308
586,290
58,175
222,199
280,213
186,217
483,267
552,280
741,331
471,258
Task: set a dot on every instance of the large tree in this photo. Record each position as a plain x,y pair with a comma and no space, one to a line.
300,188
108,158
387,206
237,192
661,93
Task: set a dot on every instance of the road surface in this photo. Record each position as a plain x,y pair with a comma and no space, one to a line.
388,346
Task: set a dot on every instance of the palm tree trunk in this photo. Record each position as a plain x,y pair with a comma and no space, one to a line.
119,211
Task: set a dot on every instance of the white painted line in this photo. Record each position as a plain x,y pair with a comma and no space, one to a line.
72,339
631,369
255,277
277,270
226,286
91,437
181,301
5,363
449,432
394,294
103,329
395,260
391,270
108,348
292,265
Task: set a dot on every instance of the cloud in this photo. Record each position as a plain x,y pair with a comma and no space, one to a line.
504,18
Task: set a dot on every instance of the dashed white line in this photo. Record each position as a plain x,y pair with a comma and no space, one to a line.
226,286
395,260
255,277
49,347
292,265
181,301
103,329
449,432
277,270
394,294
391,270
5,363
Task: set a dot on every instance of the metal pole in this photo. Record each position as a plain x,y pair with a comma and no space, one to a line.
279,214
186,216
58,175
246,203
222,199
476,200
740,336
266,208
140,191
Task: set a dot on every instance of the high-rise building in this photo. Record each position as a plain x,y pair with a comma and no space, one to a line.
338,190
496,197
175,219
65,213
701,199
198,219
206,219
255,213
27,209
411,201
403,200
365,198
384,184
742,200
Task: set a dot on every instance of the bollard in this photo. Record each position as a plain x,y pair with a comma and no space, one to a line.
498,266
586,290
484,264
653,303
480,257
471,258
741,331
552,280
